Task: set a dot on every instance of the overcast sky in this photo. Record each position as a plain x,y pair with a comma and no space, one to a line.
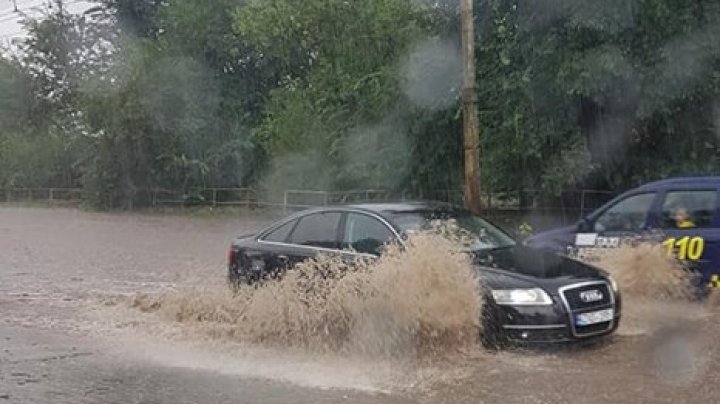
10,20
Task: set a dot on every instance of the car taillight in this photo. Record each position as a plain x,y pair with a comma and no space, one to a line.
232,256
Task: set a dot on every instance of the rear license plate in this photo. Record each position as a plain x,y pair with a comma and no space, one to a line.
594,317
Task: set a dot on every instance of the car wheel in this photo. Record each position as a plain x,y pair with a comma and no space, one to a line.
491,334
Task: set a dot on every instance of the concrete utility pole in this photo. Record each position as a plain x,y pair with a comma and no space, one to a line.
471,131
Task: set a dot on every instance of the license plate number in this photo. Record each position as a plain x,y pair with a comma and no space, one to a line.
593,317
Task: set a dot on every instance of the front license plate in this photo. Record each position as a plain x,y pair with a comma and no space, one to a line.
594,317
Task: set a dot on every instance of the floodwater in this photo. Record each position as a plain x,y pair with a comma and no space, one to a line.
132,308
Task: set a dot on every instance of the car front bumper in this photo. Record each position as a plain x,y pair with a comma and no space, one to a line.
549,324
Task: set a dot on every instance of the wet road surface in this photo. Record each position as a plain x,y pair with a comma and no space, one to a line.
62,272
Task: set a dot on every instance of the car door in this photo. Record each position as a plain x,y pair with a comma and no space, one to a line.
628,218
364,234
314,233
290,243
688,220
274,257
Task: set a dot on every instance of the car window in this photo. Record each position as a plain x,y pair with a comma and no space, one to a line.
281,233
365,234
688,209
317,230
488,235
630,214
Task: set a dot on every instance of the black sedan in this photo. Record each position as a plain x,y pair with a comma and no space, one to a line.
530,296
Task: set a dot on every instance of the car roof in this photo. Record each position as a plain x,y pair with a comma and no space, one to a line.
405,206
384,209
707,181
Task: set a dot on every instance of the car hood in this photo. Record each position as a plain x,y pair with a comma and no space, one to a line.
561,233
534,266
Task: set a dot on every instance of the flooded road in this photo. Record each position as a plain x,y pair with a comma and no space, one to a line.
69,335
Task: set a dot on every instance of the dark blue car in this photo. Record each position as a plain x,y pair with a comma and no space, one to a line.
683,211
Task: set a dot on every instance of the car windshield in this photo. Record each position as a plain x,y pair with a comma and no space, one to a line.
486,236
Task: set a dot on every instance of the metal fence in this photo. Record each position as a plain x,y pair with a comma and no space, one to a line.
507,209
50,195
566,207
205,197
298,198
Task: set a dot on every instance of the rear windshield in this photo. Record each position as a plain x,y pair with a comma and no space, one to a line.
488,236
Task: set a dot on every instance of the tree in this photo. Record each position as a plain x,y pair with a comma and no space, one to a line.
136,95
16,101
338,117
597,94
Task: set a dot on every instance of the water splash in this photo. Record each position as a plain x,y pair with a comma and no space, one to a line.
419,300
645,271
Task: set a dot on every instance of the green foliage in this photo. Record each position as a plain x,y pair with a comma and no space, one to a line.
524,231
336,118
31,161
16,100
136,17
634,83
143,94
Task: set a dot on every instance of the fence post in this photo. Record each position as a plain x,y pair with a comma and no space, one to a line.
285,201
582,204
50,195
214,197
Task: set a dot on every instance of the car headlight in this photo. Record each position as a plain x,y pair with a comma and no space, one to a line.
521,297
613,284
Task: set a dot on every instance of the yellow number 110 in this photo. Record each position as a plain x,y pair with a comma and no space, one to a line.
687,248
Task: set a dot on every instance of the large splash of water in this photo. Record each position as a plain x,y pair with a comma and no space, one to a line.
658,291
646,270
421,302
417,301
422,299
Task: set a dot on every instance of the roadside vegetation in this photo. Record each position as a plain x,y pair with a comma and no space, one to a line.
317,94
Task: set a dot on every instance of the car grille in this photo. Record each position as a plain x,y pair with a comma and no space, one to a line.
550,335
594,328
576,305
574,300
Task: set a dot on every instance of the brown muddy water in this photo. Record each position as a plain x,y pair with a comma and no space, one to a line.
133,308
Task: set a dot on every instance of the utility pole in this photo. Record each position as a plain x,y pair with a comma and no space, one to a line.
471,131
15,9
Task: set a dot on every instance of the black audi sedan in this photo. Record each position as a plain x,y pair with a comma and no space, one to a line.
530,296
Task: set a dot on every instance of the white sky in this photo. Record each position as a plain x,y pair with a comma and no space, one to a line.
10,27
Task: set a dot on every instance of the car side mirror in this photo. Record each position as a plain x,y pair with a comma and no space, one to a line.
583,225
